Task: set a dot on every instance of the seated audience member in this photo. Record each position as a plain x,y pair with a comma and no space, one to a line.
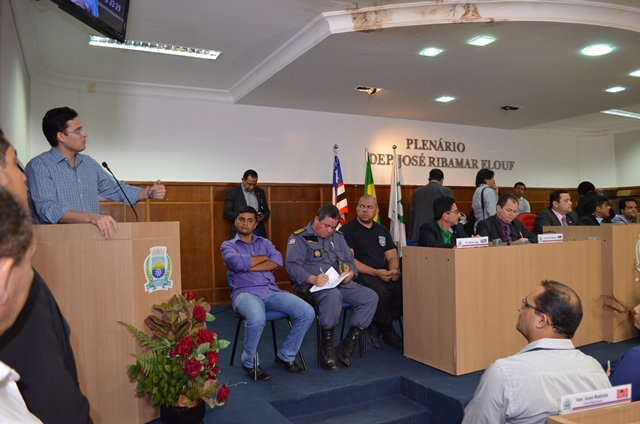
504,225
485,197
523,204
628,207
627,370
376,259
444,230
48,376
65,186
526,387
17,246
250,260
596,211
311,252
557,214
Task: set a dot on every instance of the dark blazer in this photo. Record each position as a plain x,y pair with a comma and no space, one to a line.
235,199
590,219
548,218
421,209
491,228
430,235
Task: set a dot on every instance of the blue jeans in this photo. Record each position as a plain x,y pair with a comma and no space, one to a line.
253,309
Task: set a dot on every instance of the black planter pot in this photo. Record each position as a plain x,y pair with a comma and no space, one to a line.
179,415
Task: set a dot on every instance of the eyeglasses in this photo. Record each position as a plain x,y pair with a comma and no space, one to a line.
76,131
457,212
526,305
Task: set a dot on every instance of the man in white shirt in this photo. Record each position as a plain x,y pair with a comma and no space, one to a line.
523,204
628,208
526,387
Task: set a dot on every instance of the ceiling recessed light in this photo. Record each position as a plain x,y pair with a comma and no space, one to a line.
445,99
431,52
635,73
615,89
481,41
145,46
597,50
368,90
619,112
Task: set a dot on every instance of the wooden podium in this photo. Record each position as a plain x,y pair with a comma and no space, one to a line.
619,272
97,282
460,305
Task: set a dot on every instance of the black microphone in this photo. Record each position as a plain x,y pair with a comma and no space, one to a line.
105,166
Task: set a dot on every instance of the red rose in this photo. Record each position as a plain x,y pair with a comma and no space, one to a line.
199,314
204,336
191,295
184,346
223,394
212,357
192,367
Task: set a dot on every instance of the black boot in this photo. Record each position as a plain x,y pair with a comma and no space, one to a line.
391,338
345,347
327,351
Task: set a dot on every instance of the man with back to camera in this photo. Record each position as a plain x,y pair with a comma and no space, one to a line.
48,376
504,225
17,246
251,260
422,199
596,211
628,207
376,259
523,204
557,214
526,387
445,229
311,252
65,186
247,193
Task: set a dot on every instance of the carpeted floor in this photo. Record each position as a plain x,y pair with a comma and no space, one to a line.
383,387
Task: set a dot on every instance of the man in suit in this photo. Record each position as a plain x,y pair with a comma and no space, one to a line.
628,208
504,225
444,229
558,213
422,202
596,211
247,193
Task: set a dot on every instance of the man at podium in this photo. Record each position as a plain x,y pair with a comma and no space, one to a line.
65,186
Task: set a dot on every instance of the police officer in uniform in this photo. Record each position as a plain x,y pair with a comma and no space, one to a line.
311,252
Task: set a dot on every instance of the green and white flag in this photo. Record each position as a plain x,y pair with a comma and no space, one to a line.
396,212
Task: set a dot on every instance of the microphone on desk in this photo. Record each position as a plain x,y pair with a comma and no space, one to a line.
105,166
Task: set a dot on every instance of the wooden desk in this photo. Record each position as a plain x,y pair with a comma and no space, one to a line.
460,305
618,270
97,282
623,414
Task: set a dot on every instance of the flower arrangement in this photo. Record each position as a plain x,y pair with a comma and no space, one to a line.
181,363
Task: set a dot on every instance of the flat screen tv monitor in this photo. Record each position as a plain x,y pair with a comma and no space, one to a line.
108,17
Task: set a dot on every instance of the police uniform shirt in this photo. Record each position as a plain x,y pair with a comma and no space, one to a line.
308,254
369,244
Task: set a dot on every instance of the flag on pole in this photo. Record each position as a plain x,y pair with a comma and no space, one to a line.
339,195
369,187
396,211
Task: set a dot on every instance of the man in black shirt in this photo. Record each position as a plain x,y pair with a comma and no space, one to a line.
378,267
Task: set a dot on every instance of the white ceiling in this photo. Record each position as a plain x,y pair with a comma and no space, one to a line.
306,54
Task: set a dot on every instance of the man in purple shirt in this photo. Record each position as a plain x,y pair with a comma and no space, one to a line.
250,260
